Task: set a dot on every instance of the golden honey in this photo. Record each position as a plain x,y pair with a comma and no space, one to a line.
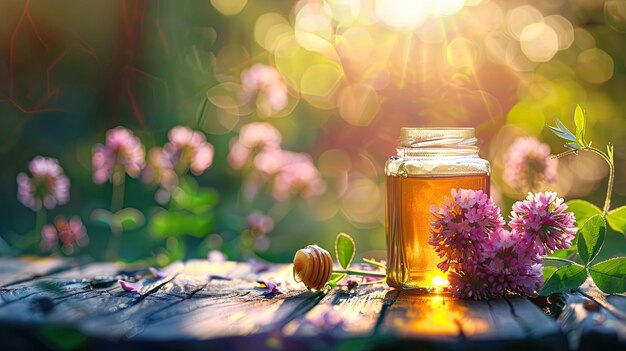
430,163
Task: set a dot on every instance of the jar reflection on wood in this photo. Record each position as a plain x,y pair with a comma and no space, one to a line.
429,164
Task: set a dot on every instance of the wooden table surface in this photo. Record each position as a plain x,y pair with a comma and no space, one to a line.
57,304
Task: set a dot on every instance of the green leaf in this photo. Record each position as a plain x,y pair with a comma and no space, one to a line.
344,249
562,132
610,150
564,279
194,200
565,253
335,278
129,218
617,219
591,238
166,224
177,223
583,210
610,275
548,271
579,119
102,217
199,225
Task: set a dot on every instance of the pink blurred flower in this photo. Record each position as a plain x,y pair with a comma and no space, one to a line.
70,234
49,238
298,176
528,164
253,137
542,222
259,223
160,169
238,155
47,186
259,135
271,161
188,149
268,83
461,227
122,148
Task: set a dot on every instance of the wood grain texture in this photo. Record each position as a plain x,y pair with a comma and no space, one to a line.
589,326
200,304
16,270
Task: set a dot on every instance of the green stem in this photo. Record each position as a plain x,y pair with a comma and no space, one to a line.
374,263
40,221
559,259
360,272
609,190
118,180
114,243
373,282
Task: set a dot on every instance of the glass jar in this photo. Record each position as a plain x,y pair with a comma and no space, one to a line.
429,164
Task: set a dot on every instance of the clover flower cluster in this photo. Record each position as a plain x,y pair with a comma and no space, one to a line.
483,259
186,150
70,234
264,83
291,173
47,186
121,149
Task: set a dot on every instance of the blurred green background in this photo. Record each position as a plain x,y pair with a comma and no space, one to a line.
355,72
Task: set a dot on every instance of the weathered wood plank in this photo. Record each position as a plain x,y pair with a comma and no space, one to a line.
56,285
445,323
232,307
82,293
200,304
341,314
541,330
16,270
431,321
589,326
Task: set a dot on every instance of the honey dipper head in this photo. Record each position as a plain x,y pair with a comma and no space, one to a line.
312,266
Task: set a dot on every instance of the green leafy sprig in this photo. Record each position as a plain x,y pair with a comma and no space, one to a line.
345,249
576,143
610,275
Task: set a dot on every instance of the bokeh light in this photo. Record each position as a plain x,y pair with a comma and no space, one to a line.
402,14
334,79
594,66
229,7
539,42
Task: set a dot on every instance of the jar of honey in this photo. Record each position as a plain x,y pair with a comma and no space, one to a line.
430,162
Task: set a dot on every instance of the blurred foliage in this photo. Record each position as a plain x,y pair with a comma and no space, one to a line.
355,71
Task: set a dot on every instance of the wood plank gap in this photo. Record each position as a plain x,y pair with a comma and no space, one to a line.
301,310
35,276
390,299
148,316
517,318
154,288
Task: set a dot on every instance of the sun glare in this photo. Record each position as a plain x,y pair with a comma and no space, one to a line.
410,14
402,14
439,282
